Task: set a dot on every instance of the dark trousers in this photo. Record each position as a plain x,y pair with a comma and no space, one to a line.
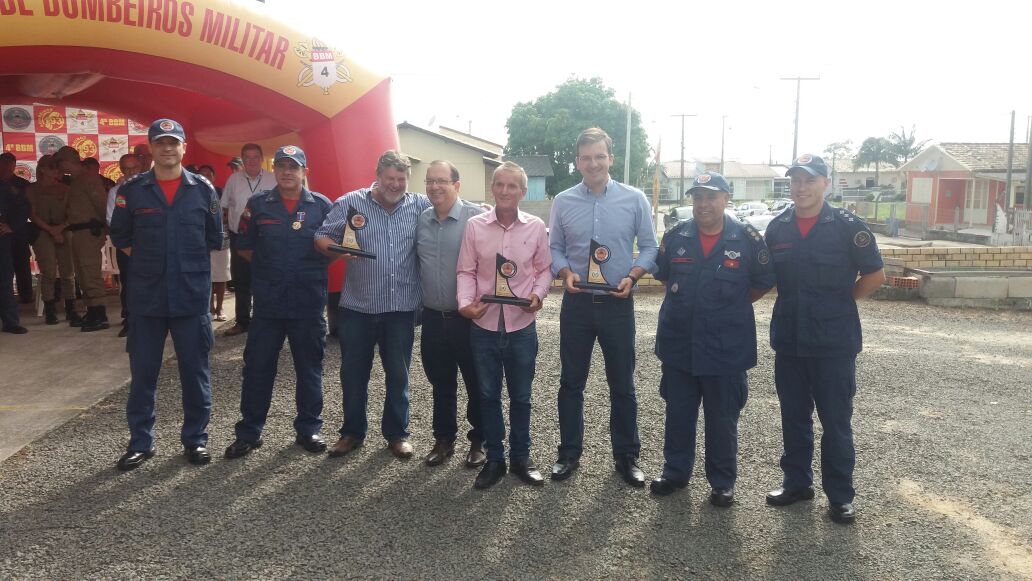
192,338
123,280
261,358
8,306
829,384
445,351
20,256
722,398
240,270
511,355
583,319
360,334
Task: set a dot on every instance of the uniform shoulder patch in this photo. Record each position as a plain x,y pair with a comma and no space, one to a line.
763,256
862,239
120,200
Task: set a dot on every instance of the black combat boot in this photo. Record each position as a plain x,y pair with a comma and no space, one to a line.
49,313
73,318
96,319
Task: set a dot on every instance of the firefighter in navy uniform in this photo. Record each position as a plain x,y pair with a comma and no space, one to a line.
714,268
167,221
818,252
289,281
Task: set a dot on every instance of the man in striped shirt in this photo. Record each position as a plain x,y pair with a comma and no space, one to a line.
378,301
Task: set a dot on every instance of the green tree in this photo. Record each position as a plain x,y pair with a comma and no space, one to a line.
905,147
549,125
836,151
875,151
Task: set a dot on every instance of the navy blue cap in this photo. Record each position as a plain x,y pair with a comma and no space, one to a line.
710,180
291,152
813,165
166,128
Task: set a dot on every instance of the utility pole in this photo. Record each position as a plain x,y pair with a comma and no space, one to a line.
1026,201
627,146
682,116
798,88
1010,165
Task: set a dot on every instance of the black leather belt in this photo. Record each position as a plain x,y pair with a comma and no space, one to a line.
441,314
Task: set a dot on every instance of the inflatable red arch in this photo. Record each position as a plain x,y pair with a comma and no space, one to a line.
229,74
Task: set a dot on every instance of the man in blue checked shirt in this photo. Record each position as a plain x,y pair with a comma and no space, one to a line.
378,301
601,218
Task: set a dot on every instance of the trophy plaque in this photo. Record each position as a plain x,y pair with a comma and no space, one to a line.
596,281
349,242
504,270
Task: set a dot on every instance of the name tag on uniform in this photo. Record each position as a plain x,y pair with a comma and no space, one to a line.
147,211
267,221
685,260
784,246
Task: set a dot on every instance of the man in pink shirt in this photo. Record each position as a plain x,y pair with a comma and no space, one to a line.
503,337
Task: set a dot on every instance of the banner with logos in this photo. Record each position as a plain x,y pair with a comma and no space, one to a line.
32,131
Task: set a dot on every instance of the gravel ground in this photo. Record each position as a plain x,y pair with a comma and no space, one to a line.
943,479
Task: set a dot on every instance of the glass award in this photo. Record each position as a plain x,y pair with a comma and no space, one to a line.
598,256
349,240
504,270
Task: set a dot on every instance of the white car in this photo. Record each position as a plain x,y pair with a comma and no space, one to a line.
759,222
751,209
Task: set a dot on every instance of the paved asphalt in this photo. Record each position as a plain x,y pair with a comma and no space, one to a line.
943,478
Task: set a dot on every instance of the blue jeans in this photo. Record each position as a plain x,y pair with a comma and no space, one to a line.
829,384
445,351
513,354
261,358
359,335
722,398
583,318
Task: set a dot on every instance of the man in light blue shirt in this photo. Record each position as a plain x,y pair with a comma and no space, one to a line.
600,219
379,299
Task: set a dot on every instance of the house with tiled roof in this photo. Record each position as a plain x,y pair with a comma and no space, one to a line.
475,158
539,169
963,182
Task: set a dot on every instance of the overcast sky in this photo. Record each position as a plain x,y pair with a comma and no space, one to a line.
955,70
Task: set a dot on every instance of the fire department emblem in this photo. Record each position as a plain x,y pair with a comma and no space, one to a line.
86,147
167,125
358,221
804,159
321,66
703,178
508,269
601,254
50,119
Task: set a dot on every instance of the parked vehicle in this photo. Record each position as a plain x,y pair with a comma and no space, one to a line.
759,222
781,205
675,215
752,209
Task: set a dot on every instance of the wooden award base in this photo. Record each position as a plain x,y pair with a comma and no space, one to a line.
352,251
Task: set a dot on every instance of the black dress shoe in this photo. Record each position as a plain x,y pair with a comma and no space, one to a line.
197,455
15,330
564,468
314,443
843,514
131,459
627,466
665,486
526,472
785,497
722,497
240,448
489,475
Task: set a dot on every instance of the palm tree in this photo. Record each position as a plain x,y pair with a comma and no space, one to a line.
875,151
906,147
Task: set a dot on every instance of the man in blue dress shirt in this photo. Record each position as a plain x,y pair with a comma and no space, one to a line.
379,300
601,218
